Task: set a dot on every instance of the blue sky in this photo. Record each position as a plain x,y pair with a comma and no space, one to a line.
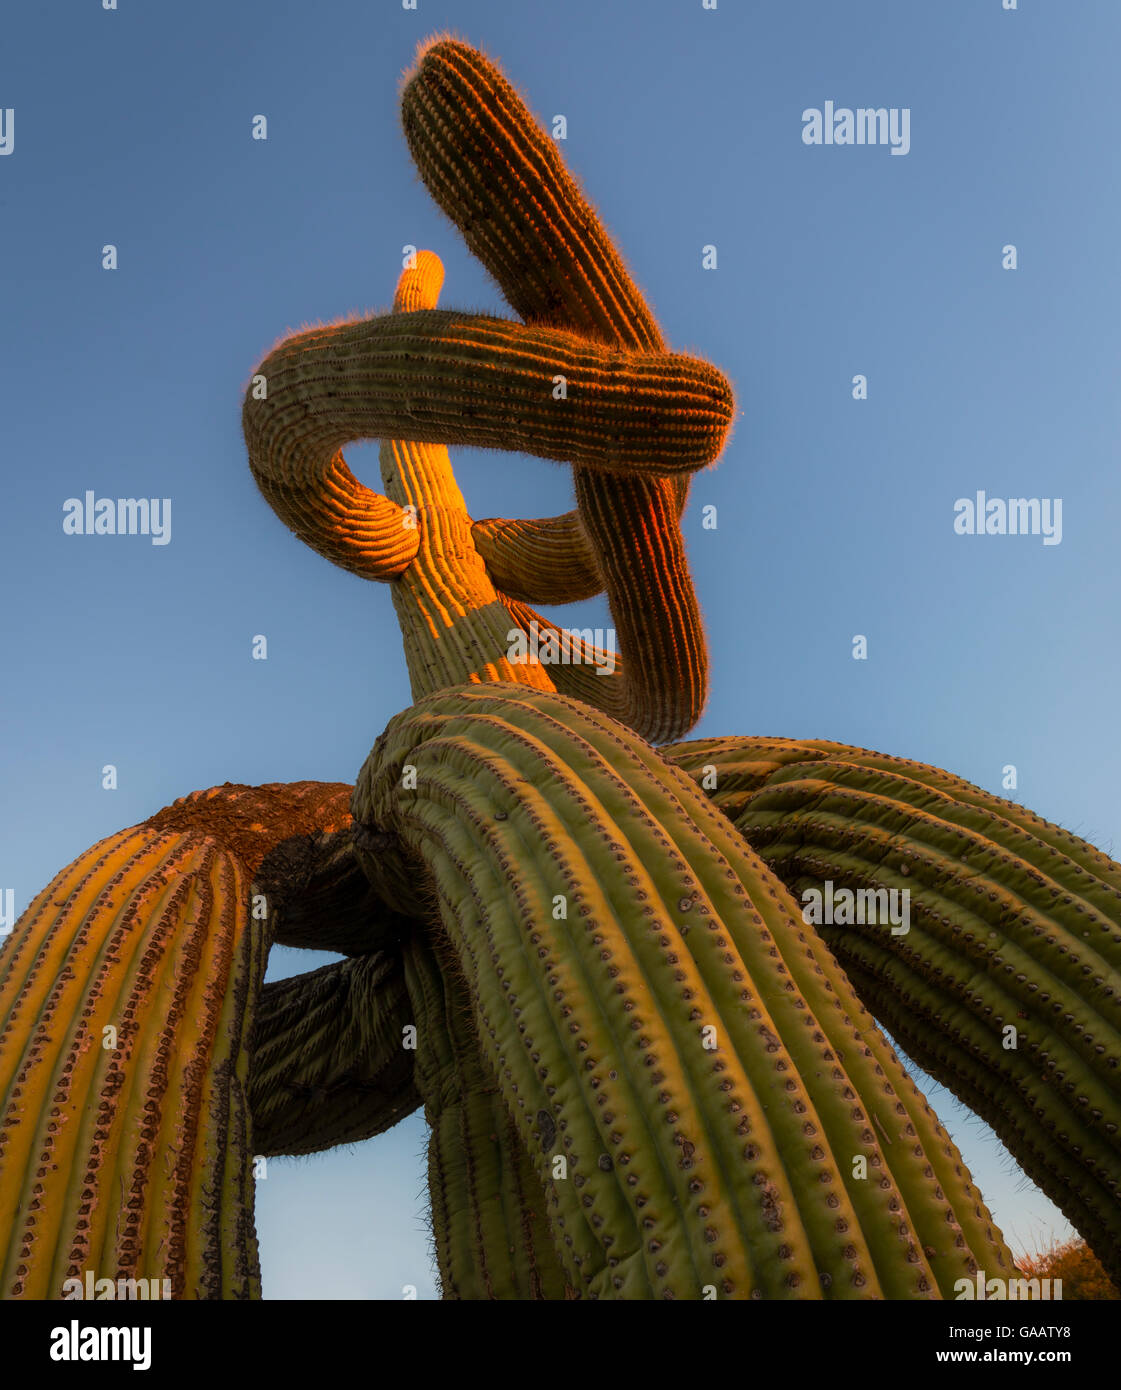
835,516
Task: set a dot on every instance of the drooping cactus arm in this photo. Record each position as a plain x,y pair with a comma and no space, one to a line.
1014,924
489,1224
330,1061
318,897
321,501
127,992
523,801
126,1152
1053,1145
501,180
545,561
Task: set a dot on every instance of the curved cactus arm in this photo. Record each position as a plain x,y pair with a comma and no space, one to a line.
489,1224
545,561
321,501
319,898
127,992
501,180
330,1061
440,376
639,977
1006,983
126,996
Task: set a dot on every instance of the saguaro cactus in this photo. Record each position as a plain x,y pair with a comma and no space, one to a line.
646,1073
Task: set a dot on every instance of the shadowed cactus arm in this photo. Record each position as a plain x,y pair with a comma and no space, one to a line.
489,1224
688,1165
330,1065
1014,924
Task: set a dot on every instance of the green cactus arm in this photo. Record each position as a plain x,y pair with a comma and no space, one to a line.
502,181
490,1229
329,1063
690,1166
549,560
1014,923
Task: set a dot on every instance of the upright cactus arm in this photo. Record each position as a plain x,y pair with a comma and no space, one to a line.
127,992
126,998
331,1062
1007,982
501,180
452,621
605,917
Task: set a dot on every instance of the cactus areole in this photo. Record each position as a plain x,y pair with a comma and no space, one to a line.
647,1072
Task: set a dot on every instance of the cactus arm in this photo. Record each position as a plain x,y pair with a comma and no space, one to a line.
127,1154
452,622
321,501
501,180
329,1062
598,1021
319,898
545,561
132,1161
1014,923
489,1225
439,376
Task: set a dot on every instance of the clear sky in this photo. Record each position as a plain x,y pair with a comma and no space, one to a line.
835,515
